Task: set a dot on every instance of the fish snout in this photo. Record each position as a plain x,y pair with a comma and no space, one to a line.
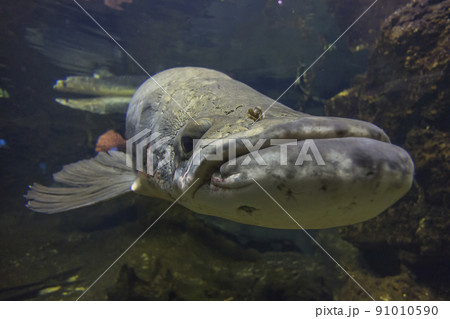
315,127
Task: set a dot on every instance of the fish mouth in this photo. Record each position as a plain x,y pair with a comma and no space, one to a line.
271,136
330,159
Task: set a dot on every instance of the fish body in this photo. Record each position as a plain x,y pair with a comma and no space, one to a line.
223,149
100,86
99,105
109,93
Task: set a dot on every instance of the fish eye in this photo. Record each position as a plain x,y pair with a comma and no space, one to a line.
189,133
187,143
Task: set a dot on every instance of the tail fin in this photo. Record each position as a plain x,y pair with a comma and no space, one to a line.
88,182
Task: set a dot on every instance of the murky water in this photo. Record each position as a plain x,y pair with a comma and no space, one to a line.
266,44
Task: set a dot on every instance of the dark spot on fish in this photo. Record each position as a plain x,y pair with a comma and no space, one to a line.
290,174
370,173
231,111
246,209
324,188
341,132
289,193
362,160
280,186
394,166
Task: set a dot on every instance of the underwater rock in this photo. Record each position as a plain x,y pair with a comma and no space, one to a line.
363,35
401,287
268,279
406,92
186,259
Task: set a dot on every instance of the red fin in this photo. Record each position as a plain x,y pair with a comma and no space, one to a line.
110,140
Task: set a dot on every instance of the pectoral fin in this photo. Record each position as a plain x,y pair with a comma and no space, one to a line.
86,182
